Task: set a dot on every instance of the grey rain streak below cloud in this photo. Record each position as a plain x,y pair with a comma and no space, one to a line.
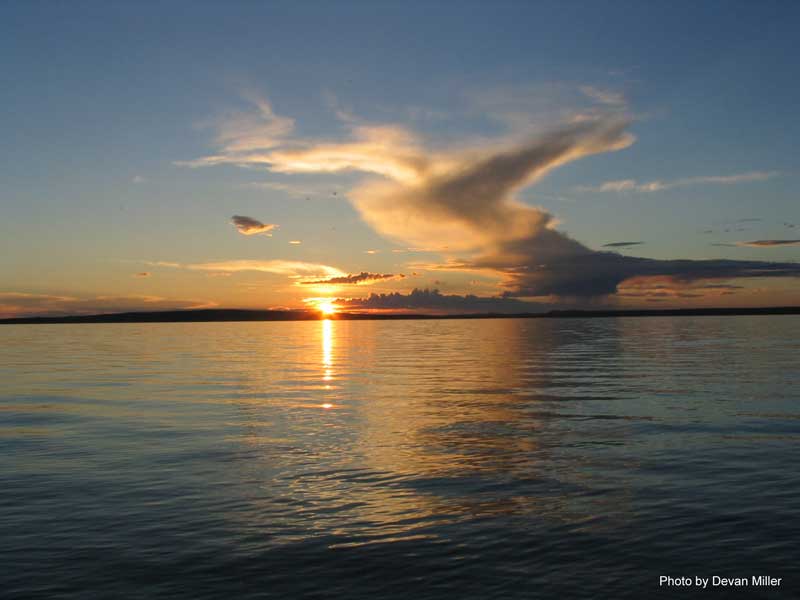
585,273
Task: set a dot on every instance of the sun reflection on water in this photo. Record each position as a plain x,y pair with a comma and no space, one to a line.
327,350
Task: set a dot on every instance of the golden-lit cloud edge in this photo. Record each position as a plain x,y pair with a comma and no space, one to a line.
466,200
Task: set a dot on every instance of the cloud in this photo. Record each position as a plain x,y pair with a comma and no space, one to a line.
17,304
251,226
669,287
466,200
291,268
621,244
769,243
434,300
631,185
294,269
579,272
158,263
363,277
143,274
239,134
603,96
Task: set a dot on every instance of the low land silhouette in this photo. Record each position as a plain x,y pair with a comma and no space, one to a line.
230,315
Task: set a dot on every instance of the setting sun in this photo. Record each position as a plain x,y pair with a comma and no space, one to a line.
326,307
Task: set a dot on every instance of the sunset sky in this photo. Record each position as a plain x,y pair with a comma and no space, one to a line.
513,156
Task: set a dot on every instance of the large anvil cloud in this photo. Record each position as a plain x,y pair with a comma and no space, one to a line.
466,201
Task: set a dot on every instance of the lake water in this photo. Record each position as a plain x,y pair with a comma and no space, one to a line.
456,459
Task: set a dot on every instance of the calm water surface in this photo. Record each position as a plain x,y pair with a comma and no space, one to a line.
408,459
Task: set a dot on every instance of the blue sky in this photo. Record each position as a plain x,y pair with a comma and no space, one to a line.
105,103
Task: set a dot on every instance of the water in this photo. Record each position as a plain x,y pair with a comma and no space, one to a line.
407,459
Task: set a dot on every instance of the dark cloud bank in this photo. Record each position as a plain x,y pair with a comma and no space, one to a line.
434,300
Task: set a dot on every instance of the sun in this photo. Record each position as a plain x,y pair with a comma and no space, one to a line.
326,307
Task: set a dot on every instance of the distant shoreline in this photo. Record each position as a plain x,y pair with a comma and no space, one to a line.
238,315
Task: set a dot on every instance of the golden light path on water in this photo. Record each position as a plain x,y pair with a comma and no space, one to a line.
327,356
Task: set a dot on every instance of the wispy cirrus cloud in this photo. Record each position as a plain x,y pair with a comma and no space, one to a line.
293,269
241,133
290,268
631,185
250,226
604,96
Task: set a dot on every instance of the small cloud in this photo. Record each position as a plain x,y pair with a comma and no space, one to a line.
752,220
251,226
603,96
372,251
363,277
142,274
161,263
769,243
622,244
138,179
631,185
295,242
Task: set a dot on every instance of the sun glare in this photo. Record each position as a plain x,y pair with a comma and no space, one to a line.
326,307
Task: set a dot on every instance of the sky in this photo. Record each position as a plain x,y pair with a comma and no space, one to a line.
436,157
